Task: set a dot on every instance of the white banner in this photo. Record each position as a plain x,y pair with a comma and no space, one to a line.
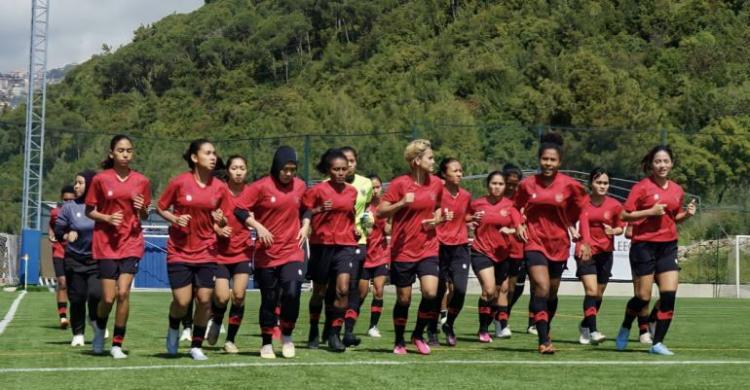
620,262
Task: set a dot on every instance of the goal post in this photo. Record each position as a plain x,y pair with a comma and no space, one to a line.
741,253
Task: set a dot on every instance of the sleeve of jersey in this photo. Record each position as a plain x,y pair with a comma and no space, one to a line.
581,198
631,204
616,219
146,193
169,195
393,194
226,205
439,189
515,216
92,196
61,224
308,198
521,197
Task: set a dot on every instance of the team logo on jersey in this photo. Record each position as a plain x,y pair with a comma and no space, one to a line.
656,196
299,272
533,196
606,215
433,196
464,266
559,198
78,215
189,198
504,212
109,193
273,199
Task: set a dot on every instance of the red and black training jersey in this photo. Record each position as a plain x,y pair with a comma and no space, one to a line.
337,225
410,240
455,231
195,243
58,247
239,246
378,251
644,195
110,194
607,213
550,210
488,240
277,207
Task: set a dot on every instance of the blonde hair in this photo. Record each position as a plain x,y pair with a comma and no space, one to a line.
416,149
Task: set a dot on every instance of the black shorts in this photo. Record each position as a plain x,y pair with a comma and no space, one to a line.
404,274
112,268
59,266
454,262
374,272
360,253
599,265
480,262
271,278
648,258
227,271
516,267
328,261
199,275
556,268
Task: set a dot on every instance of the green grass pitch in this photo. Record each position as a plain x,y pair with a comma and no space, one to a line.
707,335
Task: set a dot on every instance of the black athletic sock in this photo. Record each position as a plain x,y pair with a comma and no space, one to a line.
652,316
400,318
350,319
119,336
62,309
589,313
315,309
174,323
425,314
101,322
541,318
376,309
337,319
198,335
502,316
552,309
664,315
634,306
217,313
642,324
485,315
236,313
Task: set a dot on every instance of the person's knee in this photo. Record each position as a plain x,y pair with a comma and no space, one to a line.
123,295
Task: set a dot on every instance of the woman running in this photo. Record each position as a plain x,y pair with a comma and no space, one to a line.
497,219
413,203
655,203
333,244
516,267
275,202
194,198
553,203
604,223
81,271
454,248
235,248
67,194
378,260
118,199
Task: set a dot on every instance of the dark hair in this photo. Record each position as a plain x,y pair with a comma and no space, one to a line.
326,160
194,147
353,151
88,177
67,189
491,175
648,159
596,173
510,169
220,170
374,176
551,141
233,157
444,166
109,162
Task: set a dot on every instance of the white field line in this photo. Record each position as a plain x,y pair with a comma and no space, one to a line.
389,363
11,312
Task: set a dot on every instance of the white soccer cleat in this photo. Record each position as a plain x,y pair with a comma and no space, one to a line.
212,334
173,341
287,347
64,323
187,335
532,330
597,337
505,333
117,353
585,336
645,338
229,347
374,332
197,354
78,341
266,352
97,343
498,328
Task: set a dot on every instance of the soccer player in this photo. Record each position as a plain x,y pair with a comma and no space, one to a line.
378,260
413,203
604,223
516,267
194,198
333,244
67,194
496,221
235,248
553,203
656,204
454,248
117,201
81,271
275,202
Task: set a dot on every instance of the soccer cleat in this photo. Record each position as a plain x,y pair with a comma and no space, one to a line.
399,350
621,342
505,333
374,332
173,341
187,335
229,347
78,341
646,338
422,347
64,323
313,343
660,349
334,343
287,347
532,330
450,336
97,343
546,349
266,352
117,353
484,337
585,336
350,340
197,354
597,337
432,339
212,334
